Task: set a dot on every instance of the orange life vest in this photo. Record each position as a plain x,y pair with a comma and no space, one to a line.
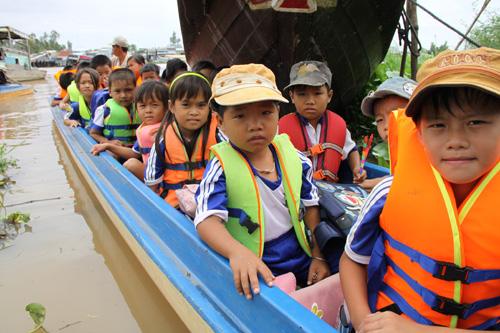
330,148
179,169
439,263
146,138
138,82
57,75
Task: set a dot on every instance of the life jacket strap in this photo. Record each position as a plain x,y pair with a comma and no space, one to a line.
321,147
144,151
244,219
122,127
322,174
187,166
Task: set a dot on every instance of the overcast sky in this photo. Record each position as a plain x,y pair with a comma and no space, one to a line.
93,23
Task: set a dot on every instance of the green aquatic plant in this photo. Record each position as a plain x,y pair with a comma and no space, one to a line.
37,312
9,224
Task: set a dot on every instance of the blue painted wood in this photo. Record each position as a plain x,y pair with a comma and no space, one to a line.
202,276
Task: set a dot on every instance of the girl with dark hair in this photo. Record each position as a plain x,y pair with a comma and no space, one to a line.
181,150
87,82
174,68
135,63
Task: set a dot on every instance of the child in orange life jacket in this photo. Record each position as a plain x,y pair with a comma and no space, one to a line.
181,149
391,95
135,63
150,72
317,132
116,121
87,82
426,243
257,190
64,79
151,102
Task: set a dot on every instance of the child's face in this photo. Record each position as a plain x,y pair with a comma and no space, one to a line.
462,146
149,76
252,126
122,91
311,102
103,71
85,86
151,111
382,110
134,66
191,114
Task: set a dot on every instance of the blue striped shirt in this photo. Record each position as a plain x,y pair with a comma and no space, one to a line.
211,196
366,230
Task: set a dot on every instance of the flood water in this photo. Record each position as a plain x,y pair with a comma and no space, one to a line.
69,257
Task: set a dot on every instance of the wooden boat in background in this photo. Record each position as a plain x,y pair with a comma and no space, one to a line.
195,280
351,36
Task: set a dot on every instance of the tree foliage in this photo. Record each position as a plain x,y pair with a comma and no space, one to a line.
435,50
487,33
174,40
47,41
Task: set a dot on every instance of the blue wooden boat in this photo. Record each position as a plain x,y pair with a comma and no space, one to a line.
196,281
14,90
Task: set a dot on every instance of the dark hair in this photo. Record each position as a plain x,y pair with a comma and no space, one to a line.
216,71
152,90
186,86
304,86
65,80
124,74
83,64
173,66
94,76
203,64
100,60
124,48
443,97
68,67
138,58
150,68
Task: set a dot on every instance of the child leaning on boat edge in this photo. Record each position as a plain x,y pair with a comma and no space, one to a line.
258,236
437,228
317,132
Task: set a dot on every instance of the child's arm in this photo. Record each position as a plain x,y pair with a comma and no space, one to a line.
354,163
96,132
369,184
123,152
353,278
99,137
64,104
318,266
245,264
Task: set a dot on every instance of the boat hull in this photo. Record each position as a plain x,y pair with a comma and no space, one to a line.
351,36
14,90
196,281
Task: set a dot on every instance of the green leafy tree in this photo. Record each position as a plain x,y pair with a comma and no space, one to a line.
174,40
487,33
132,48
435,50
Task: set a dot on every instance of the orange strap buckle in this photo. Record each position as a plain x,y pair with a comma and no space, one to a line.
316,149
319,175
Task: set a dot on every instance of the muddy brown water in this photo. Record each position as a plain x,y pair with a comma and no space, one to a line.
69,257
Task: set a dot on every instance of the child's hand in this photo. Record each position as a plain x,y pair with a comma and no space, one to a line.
388,322
245,266
65,106
358,177
96,149
318,271
73,124
116,142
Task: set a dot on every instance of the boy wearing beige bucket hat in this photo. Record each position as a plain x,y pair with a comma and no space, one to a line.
427,242
257,190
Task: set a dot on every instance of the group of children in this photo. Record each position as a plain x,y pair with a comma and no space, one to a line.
421,254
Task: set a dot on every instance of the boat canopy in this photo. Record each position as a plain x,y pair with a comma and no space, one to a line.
11,33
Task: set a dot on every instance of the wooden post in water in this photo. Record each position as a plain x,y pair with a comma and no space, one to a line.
411,11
